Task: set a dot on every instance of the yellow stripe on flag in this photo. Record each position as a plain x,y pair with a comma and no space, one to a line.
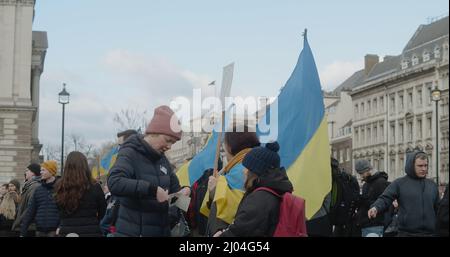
312,179
183,174
227,200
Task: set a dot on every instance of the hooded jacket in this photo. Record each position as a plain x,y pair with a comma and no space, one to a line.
258,212
418,200
134,178
371,190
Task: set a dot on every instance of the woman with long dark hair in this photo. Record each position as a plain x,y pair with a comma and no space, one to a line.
79,198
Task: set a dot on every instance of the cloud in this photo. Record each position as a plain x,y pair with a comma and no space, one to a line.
87,116
155,77
337,72
123,80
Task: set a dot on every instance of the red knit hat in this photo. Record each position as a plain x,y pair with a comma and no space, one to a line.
161,123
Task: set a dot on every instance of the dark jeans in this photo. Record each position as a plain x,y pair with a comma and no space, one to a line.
46,234
408,234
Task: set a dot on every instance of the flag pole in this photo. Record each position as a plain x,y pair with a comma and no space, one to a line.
98,168
219,139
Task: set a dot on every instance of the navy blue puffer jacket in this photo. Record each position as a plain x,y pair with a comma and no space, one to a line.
137,172
42,209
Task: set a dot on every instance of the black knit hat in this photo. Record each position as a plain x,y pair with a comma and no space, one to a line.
35,168
261,159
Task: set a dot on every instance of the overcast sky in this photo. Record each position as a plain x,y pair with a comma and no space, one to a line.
139,54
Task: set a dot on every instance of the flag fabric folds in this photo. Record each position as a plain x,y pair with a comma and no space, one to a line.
303,133
103,165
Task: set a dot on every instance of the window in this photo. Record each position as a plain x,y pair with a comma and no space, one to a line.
419,97
374,106
392,166
392,107
426,56
400,164
400,102
363,137
400,133
382,104
375,132
419,128
415,60
437,52
369,139
356,137
356,111
362,109
368,107
428,126
381,165
404,64
392,133
382,132
428,96
410,131
410,99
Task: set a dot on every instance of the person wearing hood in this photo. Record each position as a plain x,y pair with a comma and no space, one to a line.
142,178
375,182
417,197
32,178
258,212
42,207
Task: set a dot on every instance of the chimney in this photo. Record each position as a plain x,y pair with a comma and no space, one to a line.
387,57
369,61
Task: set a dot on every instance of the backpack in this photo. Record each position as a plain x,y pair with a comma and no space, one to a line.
291,222
345,196
195,219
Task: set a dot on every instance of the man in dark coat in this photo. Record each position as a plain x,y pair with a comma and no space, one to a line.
418,198
32,178
142,178
375,182
42,208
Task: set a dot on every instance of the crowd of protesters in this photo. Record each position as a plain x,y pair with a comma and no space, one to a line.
135,200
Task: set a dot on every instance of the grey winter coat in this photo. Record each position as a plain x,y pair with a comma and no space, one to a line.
25,197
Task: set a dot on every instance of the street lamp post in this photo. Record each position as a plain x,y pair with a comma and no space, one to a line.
436,97
63,99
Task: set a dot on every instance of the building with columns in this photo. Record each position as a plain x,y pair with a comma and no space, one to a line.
392,108
22,55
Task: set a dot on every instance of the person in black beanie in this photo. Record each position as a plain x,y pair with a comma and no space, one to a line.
32,181
258,212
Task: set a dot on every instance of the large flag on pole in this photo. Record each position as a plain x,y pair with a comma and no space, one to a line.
303,133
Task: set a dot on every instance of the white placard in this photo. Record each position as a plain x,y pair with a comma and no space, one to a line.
227,79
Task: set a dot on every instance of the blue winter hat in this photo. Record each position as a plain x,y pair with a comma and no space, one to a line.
261,159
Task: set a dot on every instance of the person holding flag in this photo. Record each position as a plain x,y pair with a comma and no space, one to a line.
226,190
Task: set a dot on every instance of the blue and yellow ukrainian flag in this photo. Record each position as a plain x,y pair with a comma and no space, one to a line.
108,160
192,170
303,133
